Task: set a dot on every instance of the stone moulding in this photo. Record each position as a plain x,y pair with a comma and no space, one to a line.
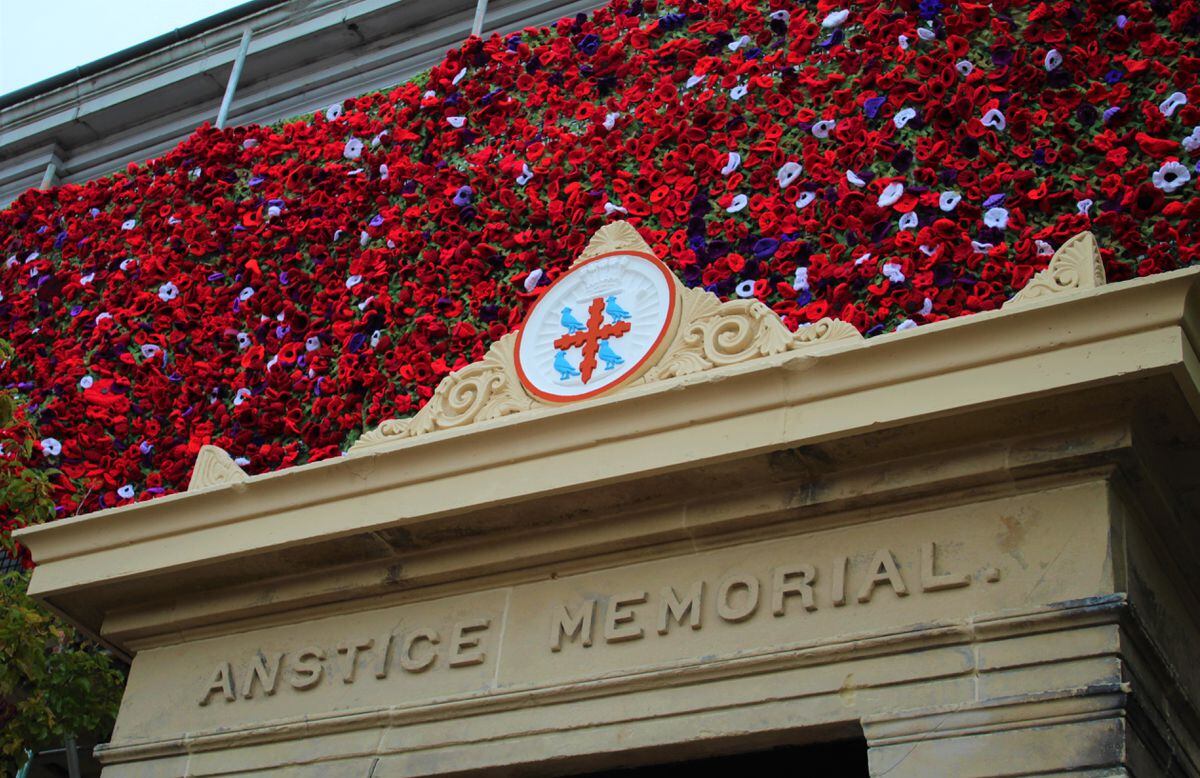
215,467
1073,343
1074,267
710,334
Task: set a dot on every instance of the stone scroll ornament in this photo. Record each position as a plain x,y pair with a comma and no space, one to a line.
617,318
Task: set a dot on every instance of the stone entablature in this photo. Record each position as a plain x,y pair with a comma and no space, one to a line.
971,542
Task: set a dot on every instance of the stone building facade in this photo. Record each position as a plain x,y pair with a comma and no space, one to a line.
968,547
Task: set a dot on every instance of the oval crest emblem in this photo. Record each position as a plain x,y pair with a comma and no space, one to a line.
600,324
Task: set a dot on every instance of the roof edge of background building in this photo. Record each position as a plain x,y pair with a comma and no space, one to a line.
177,35
139,103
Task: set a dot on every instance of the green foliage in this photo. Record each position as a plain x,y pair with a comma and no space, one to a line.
52,683
8,406
25,495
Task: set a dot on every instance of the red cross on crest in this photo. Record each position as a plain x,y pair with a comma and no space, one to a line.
589,338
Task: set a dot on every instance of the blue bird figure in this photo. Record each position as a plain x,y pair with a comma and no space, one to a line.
563,367
569,321
609,357
615,311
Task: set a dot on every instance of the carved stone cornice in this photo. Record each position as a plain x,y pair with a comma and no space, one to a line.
1074,267
710,334
213,467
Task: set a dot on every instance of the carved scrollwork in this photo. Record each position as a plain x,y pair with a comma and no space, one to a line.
213,467
1075,266
743,329
483,390
713,334
824,331
388,430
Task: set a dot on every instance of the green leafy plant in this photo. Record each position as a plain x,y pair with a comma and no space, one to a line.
53,682
25,492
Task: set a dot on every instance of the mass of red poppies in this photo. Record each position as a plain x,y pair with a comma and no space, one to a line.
275,289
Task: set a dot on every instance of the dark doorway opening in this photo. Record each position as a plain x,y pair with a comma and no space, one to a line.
839,759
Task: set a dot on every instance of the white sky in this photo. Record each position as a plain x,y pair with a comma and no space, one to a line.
42,38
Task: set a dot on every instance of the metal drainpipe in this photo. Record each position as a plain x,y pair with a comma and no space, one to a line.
72,758
50,177
480,10
231,87
53,166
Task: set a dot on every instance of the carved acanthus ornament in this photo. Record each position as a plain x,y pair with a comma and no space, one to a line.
709,334
1074,267
214,467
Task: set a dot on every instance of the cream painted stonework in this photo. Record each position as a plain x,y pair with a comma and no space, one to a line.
973,544
750,600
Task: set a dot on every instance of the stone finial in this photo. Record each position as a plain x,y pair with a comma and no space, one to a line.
213,467
615,236
1074,267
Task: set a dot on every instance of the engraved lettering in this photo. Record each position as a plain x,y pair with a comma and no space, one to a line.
670,607
351,650
265,671
464,644
726,607
620,613
307,669
838,595
738,597
572,625
383,657
932,581
222,682
408,661
883,568
792,579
